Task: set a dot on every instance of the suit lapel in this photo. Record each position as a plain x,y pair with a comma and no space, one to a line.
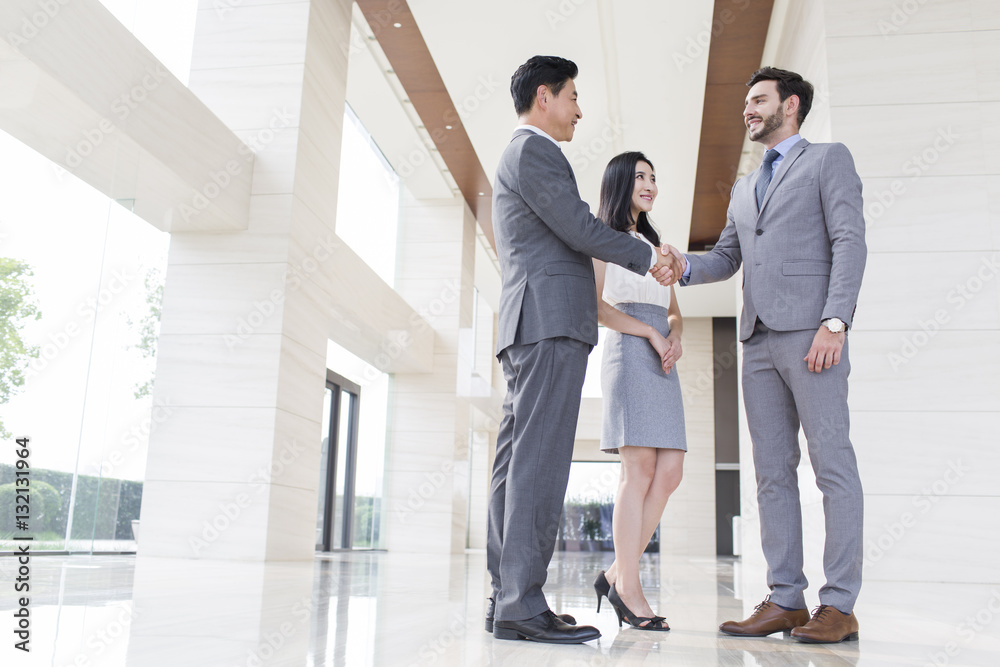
783,168
752,191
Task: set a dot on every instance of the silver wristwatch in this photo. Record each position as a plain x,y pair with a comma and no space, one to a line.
835,325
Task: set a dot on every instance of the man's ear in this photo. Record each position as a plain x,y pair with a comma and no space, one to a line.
792,105
542,96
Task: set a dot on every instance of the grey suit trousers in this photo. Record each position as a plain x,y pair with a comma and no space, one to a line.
779,393
531,469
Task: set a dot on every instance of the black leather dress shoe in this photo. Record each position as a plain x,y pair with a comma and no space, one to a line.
490,610
546,628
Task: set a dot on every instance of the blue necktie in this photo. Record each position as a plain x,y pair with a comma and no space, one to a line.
764,179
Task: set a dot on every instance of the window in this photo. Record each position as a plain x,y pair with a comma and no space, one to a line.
91,280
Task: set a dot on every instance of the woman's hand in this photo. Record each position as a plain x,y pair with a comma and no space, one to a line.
662,347
673,353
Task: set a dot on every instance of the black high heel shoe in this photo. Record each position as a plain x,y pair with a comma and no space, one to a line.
601,587
654,623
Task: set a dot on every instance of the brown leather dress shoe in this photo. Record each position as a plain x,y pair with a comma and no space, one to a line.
766,618
828,626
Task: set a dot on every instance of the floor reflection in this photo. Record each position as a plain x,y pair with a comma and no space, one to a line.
360,609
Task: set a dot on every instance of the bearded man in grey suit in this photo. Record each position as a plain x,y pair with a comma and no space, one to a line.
545,238
796,226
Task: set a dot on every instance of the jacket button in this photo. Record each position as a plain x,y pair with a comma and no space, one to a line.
759,232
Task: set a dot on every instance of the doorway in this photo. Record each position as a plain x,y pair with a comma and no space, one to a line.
338,462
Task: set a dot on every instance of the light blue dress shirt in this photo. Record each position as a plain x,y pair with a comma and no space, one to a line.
782,149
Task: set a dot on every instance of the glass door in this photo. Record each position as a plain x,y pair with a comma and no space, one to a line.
335,509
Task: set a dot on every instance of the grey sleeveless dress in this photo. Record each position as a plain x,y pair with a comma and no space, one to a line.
642,404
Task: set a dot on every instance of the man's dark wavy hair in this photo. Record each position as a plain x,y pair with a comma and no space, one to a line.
789,83
551,71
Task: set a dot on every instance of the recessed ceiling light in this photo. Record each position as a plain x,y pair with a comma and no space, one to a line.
482,194
397,25
447,127
390,71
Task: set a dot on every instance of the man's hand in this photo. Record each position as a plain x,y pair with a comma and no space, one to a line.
825,350
667,248
670,265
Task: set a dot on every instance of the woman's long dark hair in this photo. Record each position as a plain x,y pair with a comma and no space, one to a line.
617,187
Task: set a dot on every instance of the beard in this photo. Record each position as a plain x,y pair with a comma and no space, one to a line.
768,125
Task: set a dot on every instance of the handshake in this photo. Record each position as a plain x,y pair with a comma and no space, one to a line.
670,265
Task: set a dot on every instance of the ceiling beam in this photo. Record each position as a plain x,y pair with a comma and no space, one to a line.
396,30
80,89
737,46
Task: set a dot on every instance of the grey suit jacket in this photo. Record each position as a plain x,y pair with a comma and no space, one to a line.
803,253
546,236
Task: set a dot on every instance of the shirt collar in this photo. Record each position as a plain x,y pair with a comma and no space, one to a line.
539,131
787,144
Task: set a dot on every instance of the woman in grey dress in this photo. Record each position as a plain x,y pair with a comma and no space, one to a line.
643,419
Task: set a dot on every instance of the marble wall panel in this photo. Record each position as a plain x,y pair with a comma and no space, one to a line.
947,213
203,371
987,67
306,313
204,520
317,169
964,294
225,91
940,138
251,36
932,538
912,371
301,378
274,158
905,453
213,299
881,71
295,458
887,18
211,444
291,517
993,189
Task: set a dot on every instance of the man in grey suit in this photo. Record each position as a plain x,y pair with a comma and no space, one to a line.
545,236
796,226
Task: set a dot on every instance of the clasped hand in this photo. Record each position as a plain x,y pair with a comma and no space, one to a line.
670,265
668,348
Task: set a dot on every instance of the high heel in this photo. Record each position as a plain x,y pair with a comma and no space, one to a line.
654,623
601,587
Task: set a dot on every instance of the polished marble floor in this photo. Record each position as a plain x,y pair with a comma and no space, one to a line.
359,609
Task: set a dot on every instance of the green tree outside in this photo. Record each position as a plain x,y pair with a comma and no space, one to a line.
17,306
149,327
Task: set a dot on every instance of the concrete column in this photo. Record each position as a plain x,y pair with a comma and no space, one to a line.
427,464
233,473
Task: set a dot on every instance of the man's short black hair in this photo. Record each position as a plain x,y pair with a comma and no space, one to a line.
789,83
551,71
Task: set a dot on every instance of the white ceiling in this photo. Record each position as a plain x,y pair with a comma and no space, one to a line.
641,85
